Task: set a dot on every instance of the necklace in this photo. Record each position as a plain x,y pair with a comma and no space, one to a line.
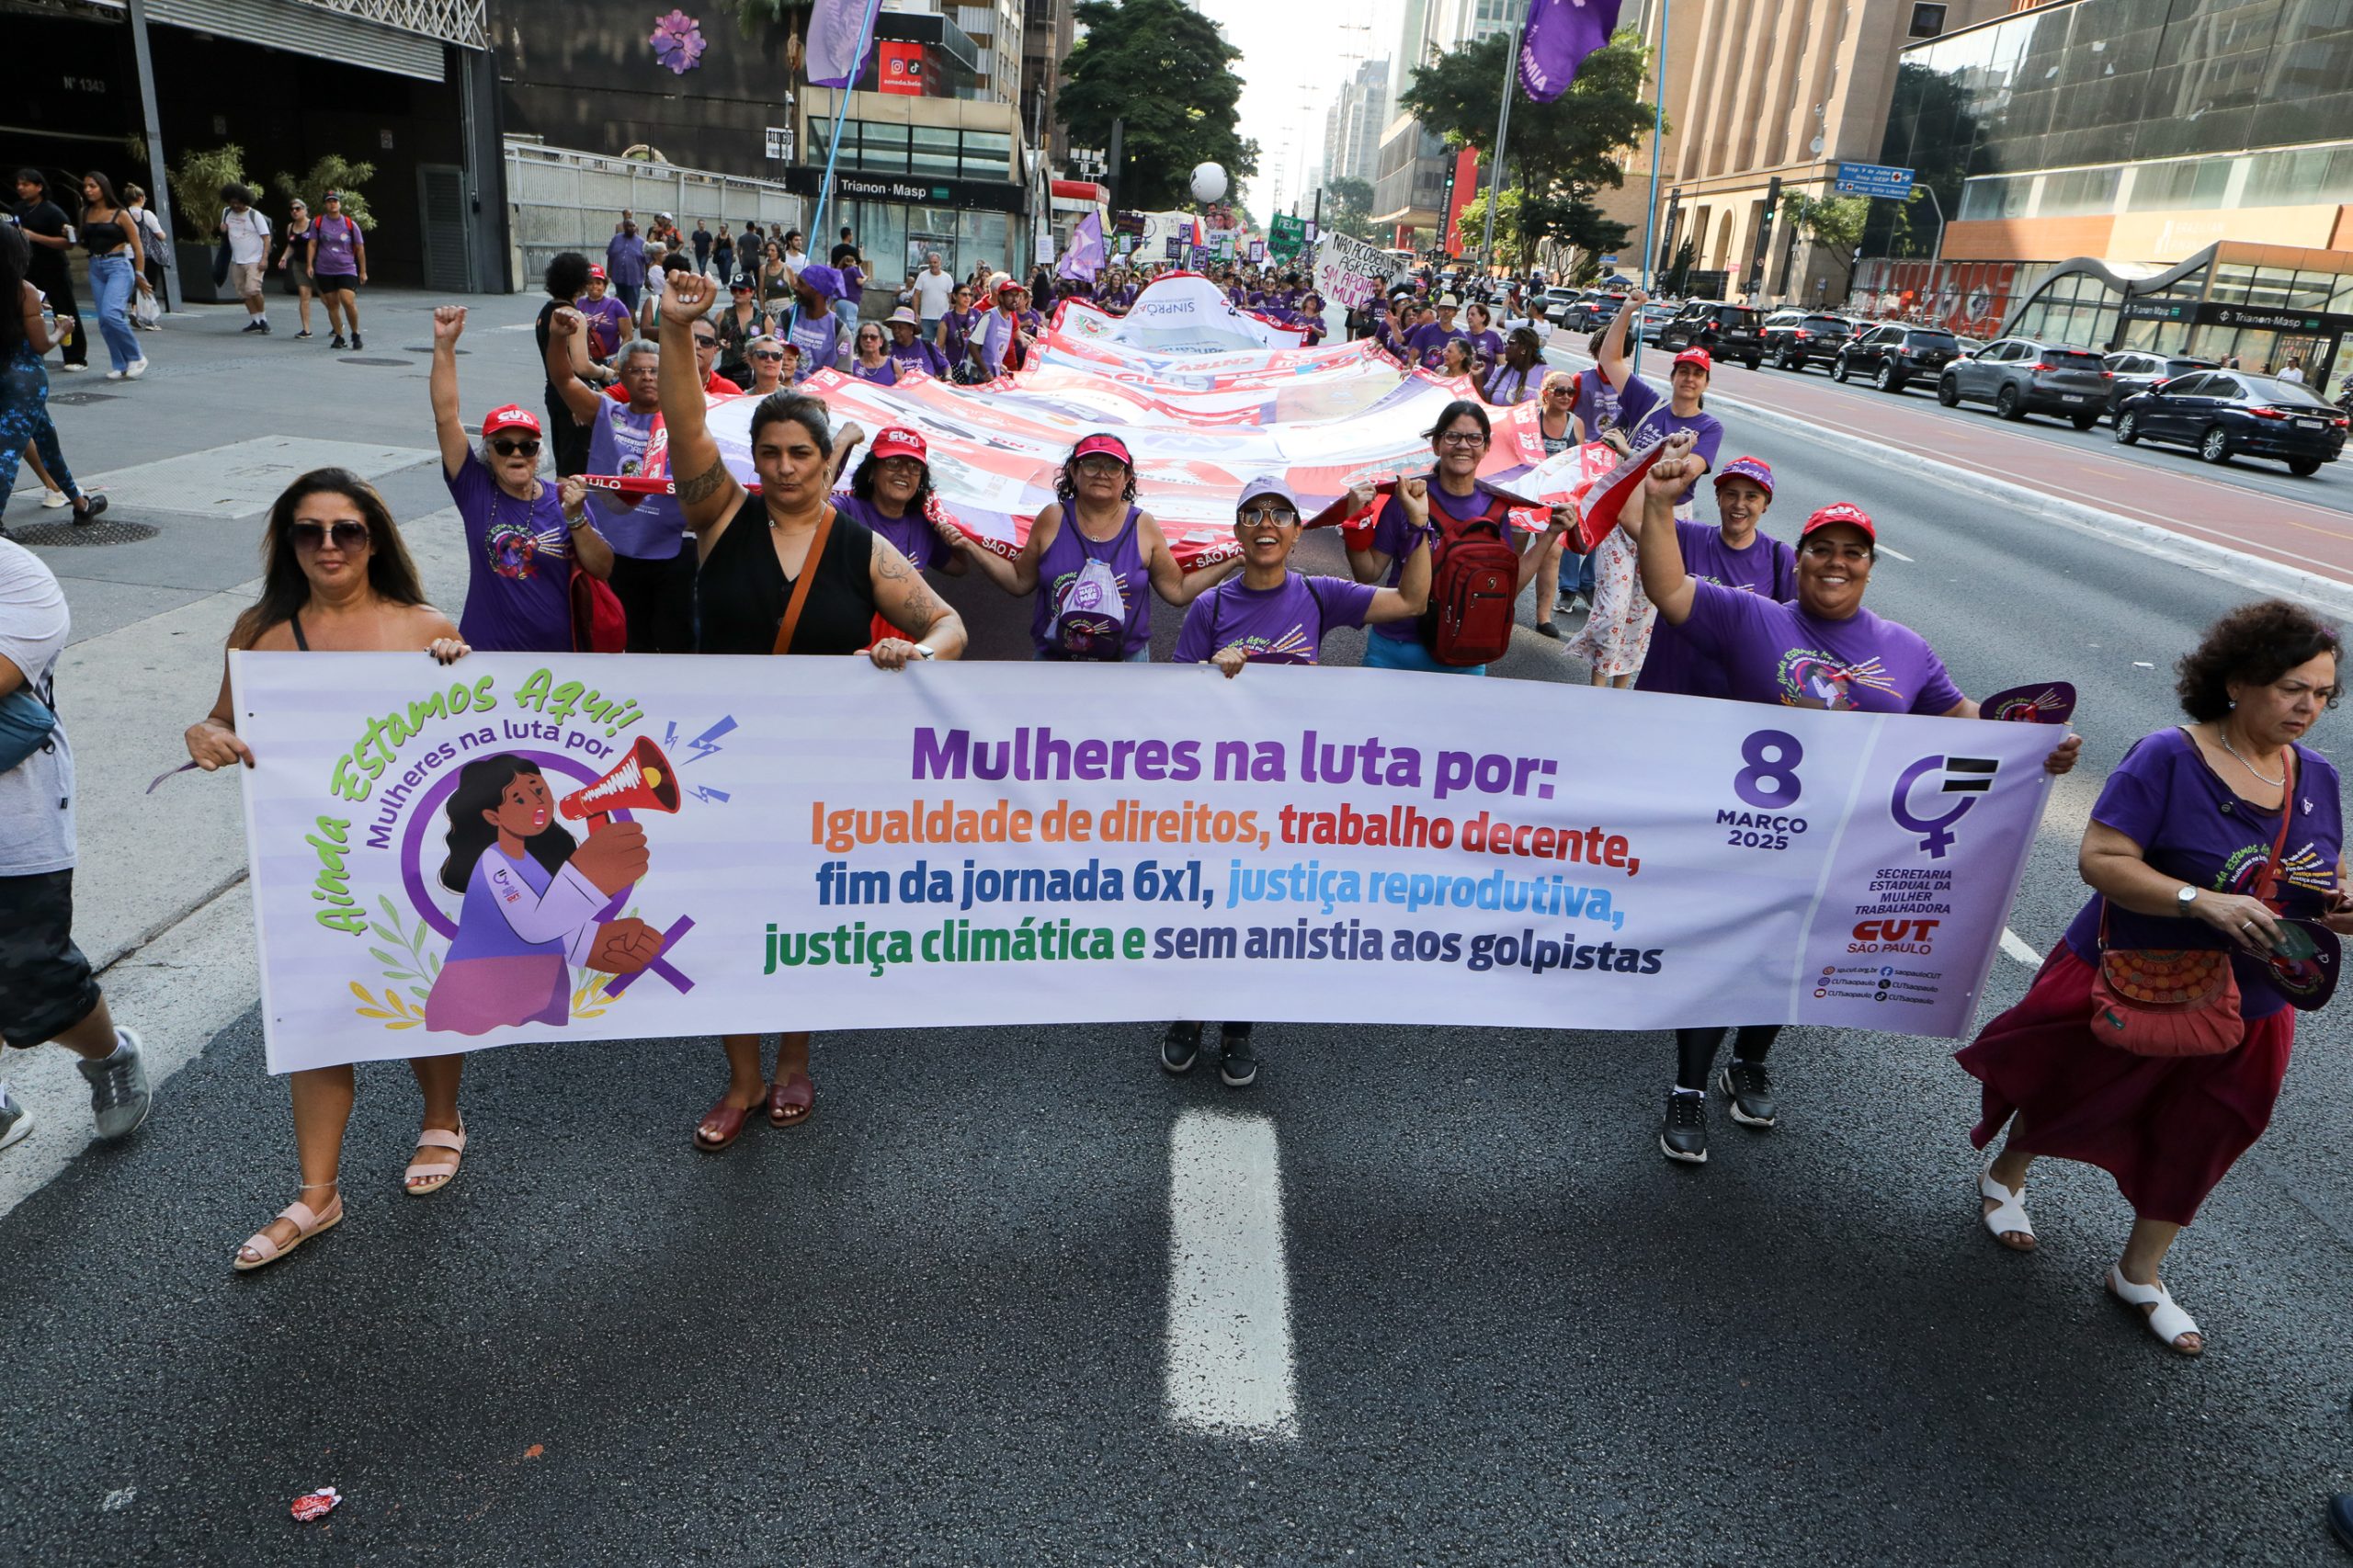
2225,736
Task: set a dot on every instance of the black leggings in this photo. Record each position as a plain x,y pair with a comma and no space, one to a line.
1695,1050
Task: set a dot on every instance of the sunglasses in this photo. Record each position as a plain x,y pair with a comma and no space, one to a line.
506,448
346,535
765,354
702,342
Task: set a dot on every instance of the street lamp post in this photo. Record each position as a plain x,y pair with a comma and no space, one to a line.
1503,130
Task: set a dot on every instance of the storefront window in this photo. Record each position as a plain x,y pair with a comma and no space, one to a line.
932,151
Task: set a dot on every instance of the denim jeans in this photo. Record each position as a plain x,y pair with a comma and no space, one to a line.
1407,654
112,282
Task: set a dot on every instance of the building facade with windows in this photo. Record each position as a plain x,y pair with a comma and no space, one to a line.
1352,126
916,175
2164,173
1410,187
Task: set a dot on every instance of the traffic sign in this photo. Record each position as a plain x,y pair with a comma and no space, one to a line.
1874,179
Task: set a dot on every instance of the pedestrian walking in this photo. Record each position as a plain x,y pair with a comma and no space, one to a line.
523,535
702,245
294,258
336,578
155,246
1820,650
625,263
781,573
609,324
909,349
43,225
248,233
118,273
25,340
2220,842
47,990
935,290
338,267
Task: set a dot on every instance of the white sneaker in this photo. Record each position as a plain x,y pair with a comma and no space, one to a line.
138,367
72,369
114,375
55,499
16,1119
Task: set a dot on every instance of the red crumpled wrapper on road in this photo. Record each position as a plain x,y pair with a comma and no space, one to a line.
316,1504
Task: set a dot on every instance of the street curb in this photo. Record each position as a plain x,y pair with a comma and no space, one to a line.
2267,577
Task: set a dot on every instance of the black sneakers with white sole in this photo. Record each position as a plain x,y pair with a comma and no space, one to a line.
1237,1065
1180,1047
1749,1092
1684,1135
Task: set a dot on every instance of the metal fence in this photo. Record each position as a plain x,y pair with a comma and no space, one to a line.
561,199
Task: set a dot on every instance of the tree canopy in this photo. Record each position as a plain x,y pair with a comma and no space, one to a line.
1558,153
1347,208
1835,224
1168,72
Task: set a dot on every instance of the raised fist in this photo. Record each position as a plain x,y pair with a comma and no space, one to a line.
612,858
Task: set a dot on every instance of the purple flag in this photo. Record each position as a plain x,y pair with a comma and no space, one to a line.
1561,33
838,41
1084,259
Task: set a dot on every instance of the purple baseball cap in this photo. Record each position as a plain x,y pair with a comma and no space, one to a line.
1753,470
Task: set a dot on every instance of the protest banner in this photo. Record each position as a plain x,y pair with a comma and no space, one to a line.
1284,236
526,847
1348,272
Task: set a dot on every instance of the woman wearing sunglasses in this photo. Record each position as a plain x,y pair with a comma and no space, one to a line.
336,578
771,360
522,533
743,320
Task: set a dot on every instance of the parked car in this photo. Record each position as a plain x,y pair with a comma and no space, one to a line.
1794,339
1592,308
1554,302
2024,375
1891,357
2228,413
1654,317
2136,372
1970,347
1726,332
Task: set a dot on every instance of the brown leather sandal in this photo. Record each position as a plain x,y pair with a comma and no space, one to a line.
791,1098
721,1126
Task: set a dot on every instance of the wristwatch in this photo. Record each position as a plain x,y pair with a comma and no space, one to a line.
2185,897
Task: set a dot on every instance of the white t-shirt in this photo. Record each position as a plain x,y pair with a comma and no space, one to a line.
933,292
37,795
2293,373
248,235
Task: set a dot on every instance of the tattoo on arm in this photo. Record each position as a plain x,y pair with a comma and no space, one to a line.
704,485
924,608
891,564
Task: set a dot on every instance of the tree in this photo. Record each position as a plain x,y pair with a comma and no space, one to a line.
334,172
1835,224
1578,138
1347,208
1168,72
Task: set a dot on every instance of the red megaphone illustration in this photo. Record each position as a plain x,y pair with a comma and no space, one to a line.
641,782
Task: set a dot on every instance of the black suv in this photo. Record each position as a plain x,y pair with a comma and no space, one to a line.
1890,355
1726,332
2025,375
1794,339
2138,371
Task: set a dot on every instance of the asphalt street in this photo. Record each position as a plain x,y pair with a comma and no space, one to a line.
937,1324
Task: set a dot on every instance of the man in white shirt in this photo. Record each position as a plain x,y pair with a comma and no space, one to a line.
248,233
933,288
2294,372
47,992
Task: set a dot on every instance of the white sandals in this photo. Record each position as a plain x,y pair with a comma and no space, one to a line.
2007,1217
2168,1323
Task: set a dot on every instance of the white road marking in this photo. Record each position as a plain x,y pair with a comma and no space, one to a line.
2015,945
1885,550
1228,1358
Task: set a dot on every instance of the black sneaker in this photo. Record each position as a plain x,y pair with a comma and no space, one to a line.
88,513
264,326
253,327
1180,1047
1237,1065
338,342
1684,1135
303,334
356,343
1546,628
1749,1092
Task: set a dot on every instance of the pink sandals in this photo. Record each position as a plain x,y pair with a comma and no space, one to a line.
307,1222
423,1181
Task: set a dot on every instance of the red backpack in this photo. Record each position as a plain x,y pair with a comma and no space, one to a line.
1474,580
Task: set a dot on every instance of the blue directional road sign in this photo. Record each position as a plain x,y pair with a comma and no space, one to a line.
1874,179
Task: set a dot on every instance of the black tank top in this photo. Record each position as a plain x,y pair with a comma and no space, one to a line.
105,237
743,590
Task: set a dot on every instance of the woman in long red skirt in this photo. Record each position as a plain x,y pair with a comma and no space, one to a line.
2181,833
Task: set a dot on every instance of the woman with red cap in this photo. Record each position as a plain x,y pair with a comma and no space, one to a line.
1003,342
522,535
1095,559
1820,650
890,493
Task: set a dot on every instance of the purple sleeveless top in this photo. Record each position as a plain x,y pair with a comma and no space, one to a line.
1068,555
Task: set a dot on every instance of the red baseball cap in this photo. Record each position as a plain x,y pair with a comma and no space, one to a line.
898,441
595,271
511,417
1695,357
1102,442
1841,512
1753,470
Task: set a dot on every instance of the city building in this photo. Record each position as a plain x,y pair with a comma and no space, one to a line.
1352,126
408,87
997,29
1759,92
917,174
1410,186
1050,31
2143,174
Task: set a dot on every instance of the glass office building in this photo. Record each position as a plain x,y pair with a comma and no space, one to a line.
2111,155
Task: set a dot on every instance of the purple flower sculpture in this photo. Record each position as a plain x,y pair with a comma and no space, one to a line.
677,42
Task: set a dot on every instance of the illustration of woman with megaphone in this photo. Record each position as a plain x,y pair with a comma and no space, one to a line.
533,894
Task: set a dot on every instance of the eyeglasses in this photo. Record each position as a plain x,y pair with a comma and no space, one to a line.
1462,439
347,535
1281,517
526,445
1099,463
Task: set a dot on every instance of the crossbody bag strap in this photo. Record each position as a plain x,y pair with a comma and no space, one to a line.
809,565
2267,880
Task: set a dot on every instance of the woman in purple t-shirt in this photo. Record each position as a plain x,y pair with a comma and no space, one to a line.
2175,855
1824,650
1095,529
1271,615
890,493
869,360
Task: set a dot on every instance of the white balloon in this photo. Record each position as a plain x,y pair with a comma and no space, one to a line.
1208,183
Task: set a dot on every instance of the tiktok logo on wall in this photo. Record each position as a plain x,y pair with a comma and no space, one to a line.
1967,777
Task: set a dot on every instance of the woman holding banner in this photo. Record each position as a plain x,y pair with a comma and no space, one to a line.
782,574
2221,837
336,578
1095,559
1379,542
1822,650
